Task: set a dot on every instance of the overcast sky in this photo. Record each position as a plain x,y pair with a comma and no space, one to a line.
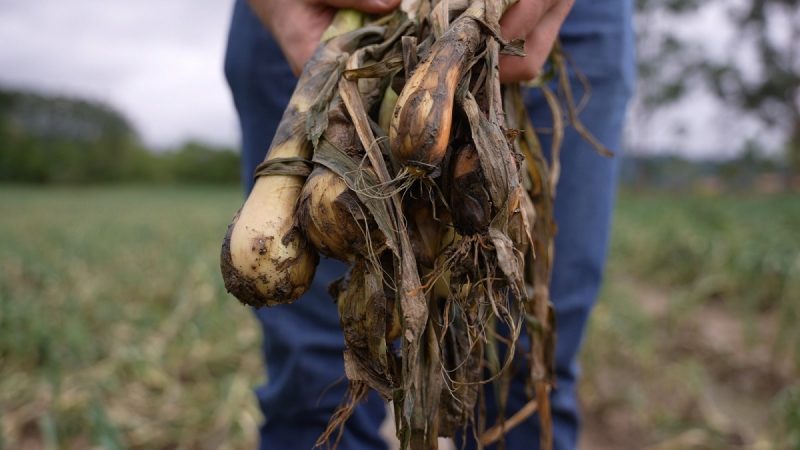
160,63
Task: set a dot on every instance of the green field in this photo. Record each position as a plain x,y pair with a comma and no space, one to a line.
695,342
115,330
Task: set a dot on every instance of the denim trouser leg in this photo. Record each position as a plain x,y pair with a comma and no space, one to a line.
303,343
583,214
598,38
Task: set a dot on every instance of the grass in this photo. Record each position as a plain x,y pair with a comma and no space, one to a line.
116,332
115,329
694,342
741,250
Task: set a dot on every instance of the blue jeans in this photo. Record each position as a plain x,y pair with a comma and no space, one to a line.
303,343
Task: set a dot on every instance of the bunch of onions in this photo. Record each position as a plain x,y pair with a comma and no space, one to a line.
401,154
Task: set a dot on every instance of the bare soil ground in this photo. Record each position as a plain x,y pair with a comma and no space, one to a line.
727,404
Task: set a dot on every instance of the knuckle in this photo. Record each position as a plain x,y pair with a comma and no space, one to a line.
525,70
529,73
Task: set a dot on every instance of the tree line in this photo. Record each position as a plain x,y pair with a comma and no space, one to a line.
55,139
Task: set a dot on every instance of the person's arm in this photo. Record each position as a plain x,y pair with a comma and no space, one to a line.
298,25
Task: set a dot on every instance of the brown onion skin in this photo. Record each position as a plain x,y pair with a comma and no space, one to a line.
470,204
423,116
333,219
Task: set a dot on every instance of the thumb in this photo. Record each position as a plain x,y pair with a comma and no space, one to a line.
367,6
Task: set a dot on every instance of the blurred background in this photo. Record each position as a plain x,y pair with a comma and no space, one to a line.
119,174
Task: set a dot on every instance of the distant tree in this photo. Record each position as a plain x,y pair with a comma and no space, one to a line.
53,138
196,162
764,84
663,56
772,90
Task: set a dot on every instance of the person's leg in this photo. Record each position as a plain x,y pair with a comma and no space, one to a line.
598,38
303,343
586,192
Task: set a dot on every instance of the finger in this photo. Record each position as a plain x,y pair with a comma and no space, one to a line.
522,17
538,44
368,6
299,56
299,42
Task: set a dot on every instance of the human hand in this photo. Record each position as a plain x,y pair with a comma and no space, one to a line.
298,25
538,22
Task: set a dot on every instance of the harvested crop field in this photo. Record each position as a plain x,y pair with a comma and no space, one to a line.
115,330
